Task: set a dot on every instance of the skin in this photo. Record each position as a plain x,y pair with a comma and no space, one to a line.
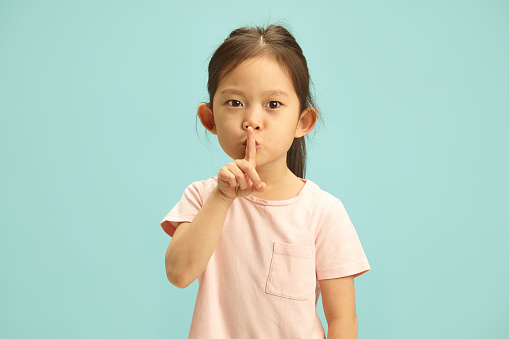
246,98
338,299
256,104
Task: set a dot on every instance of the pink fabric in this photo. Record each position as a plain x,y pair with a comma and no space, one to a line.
262,280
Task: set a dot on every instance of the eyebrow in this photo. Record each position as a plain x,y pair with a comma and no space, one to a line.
273,92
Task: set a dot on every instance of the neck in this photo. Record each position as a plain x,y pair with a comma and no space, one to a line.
275,174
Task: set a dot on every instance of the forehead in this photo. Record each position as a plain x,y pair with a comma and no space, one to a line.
261,73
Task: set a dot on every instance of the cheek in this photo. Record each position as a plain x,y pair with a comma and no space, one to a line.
224,132
280,142
227,139
290,137
223,141
289,144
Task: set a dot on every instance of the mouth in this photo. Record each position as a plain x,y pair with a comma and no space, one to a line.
257,145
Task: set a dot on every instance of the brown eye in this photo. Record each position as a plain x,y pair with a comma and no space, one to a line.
234,103
273,104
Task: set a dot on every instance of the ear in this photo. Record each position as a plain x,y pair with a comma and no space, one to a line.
207,118
306,122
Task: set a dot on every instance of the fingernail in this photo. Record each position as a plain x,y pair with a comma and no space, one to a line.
259,186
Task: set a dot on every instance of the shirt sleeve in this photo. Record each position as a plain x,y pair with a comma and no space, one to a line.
186,209
339,252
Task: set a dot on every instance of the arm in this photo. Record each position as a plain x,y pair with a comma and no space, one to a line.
338,298
193,243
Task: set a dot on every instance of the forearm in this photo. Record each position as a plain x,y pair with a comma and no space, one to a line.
188,255
342,329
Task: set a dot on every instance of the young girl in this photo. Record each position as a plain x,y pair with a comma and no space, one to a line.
262,241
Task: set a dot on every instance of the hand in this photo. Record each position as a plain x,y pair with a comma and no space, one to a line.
239,178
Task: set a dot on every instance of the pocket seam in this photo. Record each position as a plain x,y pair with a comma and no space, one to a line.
294,250
290,250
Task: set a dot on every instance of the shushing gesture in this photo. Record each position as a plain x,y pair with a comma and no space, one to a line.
239,178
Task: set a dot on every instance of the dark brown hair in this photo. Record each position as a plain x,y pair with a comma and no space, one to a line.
276,42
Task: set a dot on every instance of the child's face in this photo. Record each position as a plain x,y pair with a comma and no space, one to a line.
260,94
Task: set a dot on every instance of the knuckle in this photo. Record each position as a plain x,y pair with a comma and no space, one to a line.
244,163
223,172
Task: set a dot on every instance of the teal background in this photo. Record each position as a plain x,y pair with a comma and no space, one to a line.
99,139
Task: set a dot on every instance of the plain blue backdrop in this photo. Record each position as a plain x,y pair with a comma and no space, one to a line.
99,139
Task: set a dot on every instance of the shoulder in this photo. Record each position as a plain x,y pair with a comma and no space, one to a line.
201,189
320,197
327,206
203,185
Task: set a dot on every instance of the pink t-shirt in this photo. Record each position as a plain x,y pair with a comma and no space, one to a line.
262,279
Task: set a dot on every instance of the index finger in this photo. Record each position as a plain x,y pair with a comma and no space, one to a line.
251,147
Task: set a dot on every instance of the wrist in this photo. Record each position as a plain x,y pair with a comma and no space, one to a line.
223,197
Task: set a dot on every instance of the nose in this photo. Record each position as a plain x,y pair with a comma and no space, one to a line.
252,119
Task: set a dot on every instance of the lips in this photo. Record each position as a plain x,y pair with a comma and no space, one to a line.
245,143
257,146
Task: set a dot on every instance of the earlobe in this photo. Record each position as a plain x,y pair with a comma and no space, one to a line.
206,117
307,122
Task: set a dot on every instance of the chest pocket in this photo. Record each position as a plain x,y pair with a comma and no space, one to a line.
292,271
